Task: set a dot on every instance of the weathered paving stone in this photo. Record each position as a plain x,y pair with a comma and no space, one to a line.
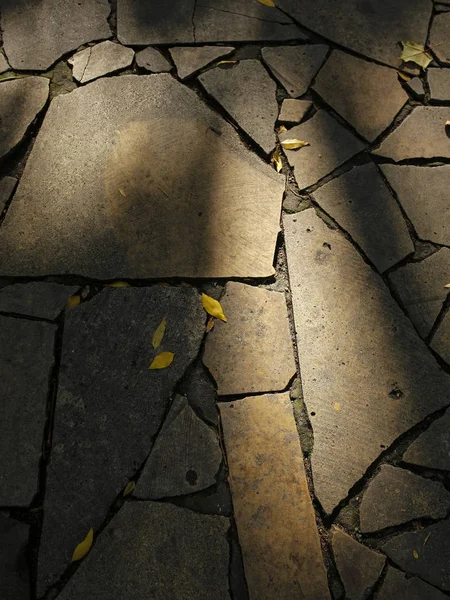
397,585
432,448
36,34
118,140
26,360
3,64
158,551
36,299
152,60
273,510
361,204
201,394
99,60
439,82
7,185
21,100
62,81
330,146
14,575
439,36
295,66
355,340
359,567
109,406
189,59
293,111
252,352
441,339
416,86
185,457
365,94
248,94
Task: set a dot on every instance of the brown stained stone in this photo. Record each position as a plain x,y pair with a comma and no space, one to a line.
273,510
253,351
190,59
14,570
99,60
439,37
399,586
293,111
441,339
367,377
432,448
152,60
7,185
439,82
36,299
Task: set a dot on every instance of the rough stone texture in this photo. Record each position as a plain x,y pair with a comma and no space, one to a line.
118,141
201,394
36,299
3,64
439,82
99,60
423,193
36,34
294,66
273,510
293,111
439,37
365,94
248,94
62,81
432,448
359,567
416,86
398,586
421,135
109,406
7,185
441,339
185,457
353,339
151,59
189,60
26,359
21,100
432,564
421,287
158,551
361,204
14,575
253,351
330,146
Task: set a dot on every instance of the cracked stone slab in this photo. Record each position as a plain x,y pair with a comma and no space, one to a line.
441,339
109,406
36,299
118,141
399,585
21,100
26,360
248,94
252,351
7,185
330,146
273,510
361,203
152,60
201,394
36,34
295,66
439,82
359,567
439,37
366,95
3,64
158,551
189,59
293,111
14,572
355,340
101,59
432,448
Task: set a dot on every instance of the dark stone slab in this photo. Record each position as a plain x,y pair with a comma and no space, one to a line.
14,575
398,586
36,299
152,60
201,394
7,185
190,59
432,448
441,339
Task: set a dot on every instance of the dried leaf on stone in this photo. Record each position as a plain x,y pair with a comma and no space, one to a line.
426,539
447,123
209,324
337,406
73,301
416,53
122,191
129,488
118,284
415,554
276,160
293,144
267,2
213,307
447,285
282,129
83,547
162,361
159,333
226,62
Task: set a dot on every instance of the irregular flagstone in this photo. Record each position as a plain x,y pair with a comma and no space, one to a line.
99,60
416,86
439,82
272,506
36,34
365,94
26,360
118,141
3,64
293,111
189,59
201,394
7,185
295,66
343,310
441,339
151,59
248,94
359,567
14,575
252,351
330,146
398,585
361,203
21,100
62,81
432,448
36,299
439,36
158,551
109,406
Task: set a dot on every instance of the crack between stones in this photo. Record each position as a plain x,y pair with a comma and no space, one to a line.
193,21
86,65
238,14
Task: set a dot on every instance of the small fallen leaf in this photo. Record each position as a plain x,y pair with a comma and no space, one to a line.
129,488
416,53
293,144
159,333
73,301
415,554
213,307
226,62
83,547
426,539
209,324
337,406
267,2
404,76
122,191
118,284
447,123
447,285
162,361
282,129
276,160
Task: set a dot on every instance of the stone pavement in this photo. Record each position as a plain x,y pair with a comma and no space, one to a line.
298,447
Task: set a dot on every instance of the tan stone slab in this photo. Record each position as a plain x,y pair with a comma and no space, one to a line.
439,36
99,60
273,510
190,59
253,351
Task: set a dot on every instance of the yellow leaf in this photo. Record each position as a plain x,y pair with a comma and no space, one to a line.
426,539
159,333
213,307
416,53
415,554
267,2
276,160
404,76
293,144
129,488
118,284
122,191
73,301
282,129
447,285
447,123
209,324
83,548
226,62
337,406
162,361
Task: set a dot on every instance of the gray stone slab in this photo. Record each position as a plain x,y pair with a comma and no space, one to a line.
399,586
152,60
353,339
158,551
359,567
7,185
36,34
21,100
118,141
330,145
361,204
295,66
201,394
3,64
421,287
109,406
14,575
432,546
439,37
365,94
439,82
36,299
248,94
26,360
190,59
99,60
441,339
293,111
432,448
416,86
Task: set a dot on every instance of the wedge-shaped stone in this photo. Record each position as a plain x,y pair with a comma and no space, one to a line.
36,299
439,36
367,377
432,448
190,59
441,339
201,394
398,585
415,85
293,111
99,60
14,575
7,185
273,510
151,59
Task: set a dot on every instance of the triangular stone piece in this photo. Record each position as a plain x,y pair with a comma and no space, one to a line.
190,59
432,448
